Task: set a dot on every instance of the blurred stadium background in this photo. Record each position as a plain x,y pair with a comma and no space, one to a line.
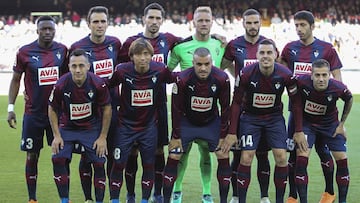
337,22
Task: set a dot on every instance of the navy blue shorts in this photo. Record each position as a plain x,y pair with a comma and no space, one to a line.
85,138
79,149
126,138
319,143
34,127
324,134
253,127
209,133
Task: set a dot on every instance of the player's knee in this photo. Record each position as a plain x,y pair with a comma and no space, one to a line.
247,157
339,155
280,159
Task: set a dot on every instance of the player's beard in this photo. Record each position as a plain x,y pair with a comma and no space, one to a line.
252,32
154,29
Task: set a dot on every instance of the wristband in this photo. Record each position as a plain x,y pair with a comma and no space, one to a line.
10,107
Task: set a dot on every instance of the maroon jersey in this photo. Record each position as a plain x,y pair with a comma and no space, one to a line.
198,100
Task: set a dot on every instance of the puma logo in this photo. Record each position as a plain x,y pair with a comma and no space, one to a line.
169,178
242,182
36,58
300,177
117,184
58,178
129,80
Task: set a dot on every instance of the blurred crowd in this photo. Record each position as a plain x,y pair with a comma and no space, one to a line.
180,11
338,21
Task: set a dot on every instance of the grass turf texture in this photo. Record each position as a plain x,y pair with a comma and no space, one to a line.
12,167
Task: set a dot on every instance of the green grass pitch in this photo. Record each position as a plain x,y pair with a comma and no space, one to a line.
13,187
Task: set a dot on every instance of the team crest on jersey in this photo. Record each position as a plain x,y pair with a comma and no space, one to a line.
330,98
154,79
162,43
175,89
48,75
277,85
80,111
110,48
316,53
314,108
142,97
91,94
58,55
201,104
217,50
213,87
264,100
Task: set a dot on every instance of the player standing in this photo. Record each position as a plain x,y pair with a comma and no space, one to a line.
42,61
141,82
182,54
103,54
154,15
242,50
257,110
298,56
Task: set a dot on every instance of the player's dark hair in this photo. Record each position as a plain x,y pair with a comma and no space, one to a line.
305,15
250,11
79,52
45,18
202,52
268,42
320,63
154,6
137,46
97,9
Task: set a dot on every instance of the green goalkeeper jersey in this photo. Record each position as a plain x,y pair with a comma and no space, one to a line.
183,52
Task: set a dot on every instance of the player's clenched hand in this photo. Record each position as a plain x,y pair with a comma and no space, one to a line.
11,119
228,142
100,146
57,144
175,144
300,140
